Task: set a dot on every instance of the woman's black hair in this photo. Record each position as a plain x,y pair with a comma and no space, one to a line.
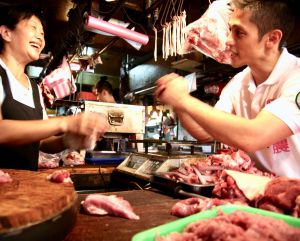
11,15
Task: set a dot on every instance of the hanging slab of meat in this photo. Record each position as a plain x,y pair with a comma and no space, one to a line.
98,204
236,226
194,205
282,195
233,184
31,199
208,34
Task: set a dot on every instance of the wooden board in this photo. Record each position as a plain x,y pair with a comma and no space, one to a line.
152,207
31,199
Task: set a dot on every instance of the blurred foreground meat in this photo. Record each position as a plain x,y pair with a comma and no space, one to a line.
5,177
99,204
282,195
234,227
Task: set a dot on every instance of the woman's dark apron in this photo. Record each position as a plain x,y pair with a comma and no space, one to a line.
26,156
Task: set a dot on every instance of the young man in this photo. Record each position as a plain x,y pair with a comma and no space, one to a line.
104,91
256,111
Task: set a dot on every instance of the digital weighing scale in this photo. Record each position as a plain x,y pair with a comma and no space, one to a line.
144,165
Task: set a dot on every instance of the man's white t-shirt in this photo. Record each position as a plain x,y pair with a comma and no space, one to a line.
19,92
276,95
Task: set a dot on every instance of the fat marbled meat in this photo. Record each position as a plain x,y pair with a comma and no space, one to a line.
282,195
98,204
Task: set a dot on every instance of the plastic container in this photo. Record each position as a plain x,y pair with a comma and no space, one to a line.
178,225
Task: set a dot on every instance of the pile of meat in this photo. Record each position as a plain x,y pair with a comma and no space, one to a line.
210,170
282,195
234,184
237,181
236,226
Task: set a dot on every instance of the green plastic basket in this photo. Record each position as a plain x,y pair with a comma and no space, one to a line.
179,225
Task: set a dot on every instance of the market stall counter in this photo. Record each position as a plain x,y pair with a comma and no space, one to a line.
152,207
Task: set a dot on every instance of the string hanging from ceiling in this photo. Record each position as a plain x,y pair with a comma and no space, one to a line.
172,23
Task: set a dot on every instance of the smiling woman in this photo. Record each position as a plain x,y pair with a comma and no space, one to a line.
24,126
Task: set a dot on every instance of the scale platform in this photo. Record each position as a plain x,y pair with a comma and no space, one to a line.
144,165
105,157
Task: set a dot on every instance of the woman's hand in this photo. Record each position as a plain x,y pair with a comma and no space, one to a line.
83,130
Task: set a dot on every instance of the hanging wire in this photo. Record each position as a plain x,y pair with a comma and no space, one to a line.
173,11
180,7
133,22
163,16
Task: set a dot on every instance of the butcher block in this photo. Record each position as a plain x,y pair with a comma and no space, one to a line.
34,208
153,208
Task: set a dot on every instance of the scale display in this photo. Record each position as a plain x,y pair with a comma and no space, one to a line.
136,161
145,165
150,167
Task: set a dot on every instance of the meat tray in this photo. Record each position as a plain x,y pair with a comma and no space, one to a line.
159,181
178,225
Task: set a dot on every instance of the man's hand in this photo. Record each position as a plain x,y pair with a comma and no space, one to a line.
171,88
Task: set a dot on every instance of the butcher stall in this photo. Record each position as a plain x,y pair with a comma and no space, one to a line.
45,205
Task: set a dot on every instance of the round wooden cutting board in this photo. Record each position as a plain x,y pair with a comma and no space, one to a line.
34,208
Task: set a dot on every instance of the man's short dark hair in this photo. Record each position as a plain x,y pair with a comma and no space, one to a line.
269,15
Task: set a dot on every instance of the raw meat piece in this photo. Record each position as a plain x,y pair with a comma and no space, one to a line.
209,170
282,194
234,184
71,157
48,97
60,176
194,205
187,207
209,33
99,204
5,177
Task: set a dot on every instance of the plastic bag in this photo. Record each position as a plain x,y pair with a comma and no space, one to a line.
72,158
209,33
47,160
61,80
